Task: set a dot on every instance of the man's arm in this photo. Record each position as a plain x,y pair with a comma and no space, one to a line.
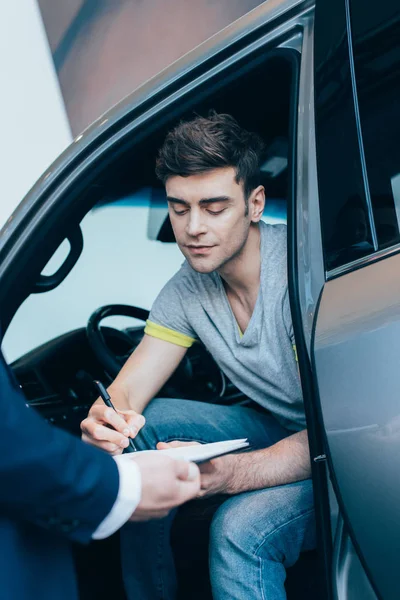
142,376
48,477
285,462
145,372
150,485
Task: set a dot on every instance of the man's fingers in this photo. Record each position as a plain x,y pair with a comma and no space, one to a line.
105,414
175,444
135,423
106,446
98,432
188,489
181,469
187,471
161,446
194,472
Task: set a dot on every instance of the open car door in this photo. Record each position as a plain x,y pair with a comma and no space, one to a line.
356,341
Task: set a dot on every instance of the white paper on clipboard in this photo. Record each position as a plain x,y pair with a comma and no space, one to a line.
201,452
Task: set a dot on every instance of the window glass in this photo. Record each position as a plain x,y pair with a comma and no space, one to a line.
345,226
123,262
119,264
376,35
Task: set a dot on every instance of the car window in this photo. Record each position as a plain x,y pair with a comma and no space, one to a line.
345,219
375,35
119,264
123,262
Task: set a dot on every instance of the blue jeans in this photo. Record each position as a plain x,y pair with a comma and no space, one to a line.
254,535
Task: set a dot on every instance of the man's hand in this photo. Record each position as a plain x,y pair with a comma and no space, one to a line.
143,375
285,462
124,424
166,483
216,474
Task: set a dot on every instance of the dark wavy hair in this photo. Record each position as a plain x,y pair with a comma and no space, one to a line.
206,143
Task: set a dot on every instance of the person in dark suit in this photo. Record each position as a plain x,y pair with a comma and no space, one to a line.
54,489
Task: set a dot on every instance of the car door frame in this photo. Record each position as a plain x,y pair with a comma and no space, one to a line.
350,565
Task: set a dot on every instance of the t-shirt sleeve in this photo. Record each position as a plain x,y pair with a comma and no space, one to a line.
167,320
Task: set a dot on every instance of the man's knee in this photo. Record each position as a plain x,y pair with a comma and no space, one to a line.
242,524
229,528
275,524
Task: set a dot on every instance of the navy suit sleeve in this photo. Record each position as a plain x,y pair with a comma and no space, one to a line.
47,476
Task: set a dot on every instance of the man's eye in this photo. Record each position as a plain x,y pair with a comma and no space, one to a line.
180,212
215,212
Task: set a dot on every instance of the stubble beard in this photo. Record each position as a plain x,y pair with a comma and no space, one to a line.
223,262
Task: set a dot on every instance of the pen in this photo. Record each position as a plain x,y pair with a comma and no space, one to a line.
105,396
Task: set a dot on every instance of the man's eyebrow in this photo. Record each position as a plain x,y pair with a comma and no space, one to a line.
177,200
216,199
202,201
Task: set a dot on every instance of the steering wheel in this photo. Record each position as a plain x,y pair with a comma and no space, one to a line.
110,361
197,376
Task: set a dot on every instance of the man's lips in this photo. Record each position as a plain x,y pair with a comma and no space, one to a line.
198,249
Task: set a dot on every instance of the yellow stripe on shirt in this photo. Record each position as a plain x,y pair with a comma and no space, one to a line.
168,335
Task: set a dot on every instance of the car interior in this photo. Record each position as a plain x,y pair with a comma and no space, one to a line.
57,375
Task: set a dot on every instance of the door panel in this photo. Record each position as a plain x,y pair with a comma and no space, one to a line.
350,580
356,355
356,344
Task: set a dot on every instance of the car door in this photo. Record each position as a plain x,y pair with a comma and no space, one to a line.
356,340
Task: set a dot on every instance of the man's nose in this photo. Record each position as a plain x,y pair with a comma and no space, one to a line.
196,225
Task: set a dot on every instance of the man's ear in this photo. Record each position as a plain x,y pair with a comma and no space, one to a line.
257,203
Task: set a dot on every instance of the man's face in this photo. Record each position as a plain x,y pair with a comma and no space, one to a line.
208,216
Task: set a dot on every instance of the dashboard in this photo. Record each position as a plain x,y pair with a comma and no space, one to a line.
57,377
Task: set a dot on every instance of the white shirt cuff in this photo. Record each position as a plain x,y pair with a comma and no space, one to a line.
129,493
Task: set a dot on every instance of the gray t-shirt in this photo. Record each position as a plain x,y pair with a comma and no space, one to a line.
261,362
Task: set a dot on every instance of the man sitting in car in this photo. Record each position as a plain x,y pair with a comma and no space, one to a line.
231,294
